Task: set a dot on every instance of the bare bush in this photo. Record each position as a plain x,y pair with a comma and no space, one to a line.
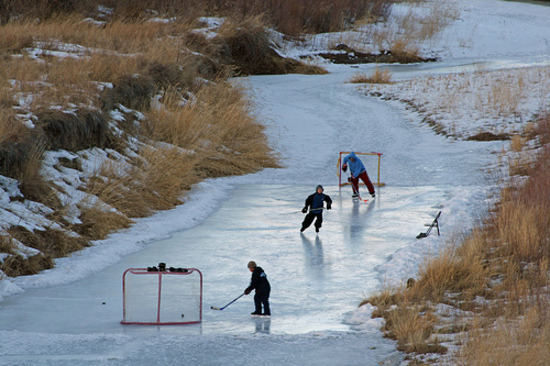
250,51
51,242
378,76
75,131
220,126
98,220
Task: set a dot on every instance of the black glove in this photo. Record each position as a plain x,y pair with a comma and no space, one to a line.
373,195
350,179
344,168
246,292
304,210
329,206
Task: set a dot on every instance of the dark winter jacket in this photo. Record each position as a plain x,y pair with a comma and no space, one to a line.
315,202
259,282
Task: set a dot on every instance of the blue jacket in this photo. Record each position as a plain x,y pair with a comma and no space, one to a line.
355,167
315,202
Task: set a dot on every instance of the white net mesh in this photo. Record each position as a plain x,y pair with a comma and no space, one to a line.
171,297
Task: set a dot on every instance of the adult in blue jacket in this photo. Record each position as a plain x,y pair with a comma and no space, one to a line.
358,171
259,283
315,204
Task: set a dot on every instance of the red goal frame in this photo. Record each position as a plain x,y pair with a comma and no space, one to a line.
339,167
160,274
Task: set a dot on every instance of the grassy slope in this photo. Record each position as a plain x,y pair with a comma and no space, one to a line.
127,113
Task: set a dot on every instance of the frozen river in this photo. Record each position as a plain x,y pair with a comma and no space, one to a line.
317,280
71,315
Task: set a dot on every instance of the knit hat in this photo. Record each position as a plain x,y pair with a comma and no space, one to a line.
252,264
319,186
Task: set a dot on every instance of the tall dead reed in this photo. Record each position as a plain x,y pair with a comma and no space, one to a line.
422,22
378,76
220,126
505,262
324,16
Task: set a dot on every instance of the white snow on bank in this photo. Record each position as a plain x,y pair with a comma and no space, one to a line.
106,252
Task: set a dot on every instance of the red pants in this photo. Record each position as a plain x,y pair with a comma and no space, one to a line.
365,178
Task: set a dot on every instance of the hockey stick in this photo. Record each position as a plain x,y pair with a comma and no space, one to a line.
360,198
319,209
217,308
356,194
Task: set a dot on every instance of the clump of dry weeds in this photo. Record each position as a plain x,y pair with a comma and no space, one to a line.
500,272
378,76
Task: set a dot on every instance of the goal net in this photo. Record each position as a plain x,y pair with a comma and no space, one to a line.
371,161
172,296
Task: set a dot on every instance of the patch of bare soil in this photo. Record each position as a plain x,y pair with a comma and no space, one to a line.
488,136
348,55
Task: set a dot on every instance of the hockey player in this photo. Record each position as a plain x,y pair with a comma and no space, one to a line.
358,171
315,204
259,283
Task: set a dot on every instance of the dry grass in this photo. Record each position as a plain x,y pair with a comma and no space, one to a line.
412,324
13,42
201,129
11,130
323,16
378,76
517,143
51,242
17,265
422,22
504,261
221,128
522,342
413,328
289,16
450,271
249,49
508,97
214,135
99,220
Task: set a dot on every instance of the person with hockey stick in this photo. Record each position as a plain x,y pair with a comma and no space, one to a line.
259,283
358,171
315,204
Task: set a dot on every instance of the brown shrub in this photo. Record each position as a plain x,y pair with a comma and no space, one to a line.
21,160
220,126
98,222
376,77
305,15
13,42
250,51
542,130
74,131
17,265
51,242
134,92
488,136
155,181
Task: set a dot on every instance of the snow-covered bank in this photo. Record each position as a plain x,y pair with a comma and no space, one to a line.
481,35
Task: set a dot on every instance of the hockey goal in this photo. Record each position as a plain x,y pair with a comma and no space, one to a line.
371,161
157,297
